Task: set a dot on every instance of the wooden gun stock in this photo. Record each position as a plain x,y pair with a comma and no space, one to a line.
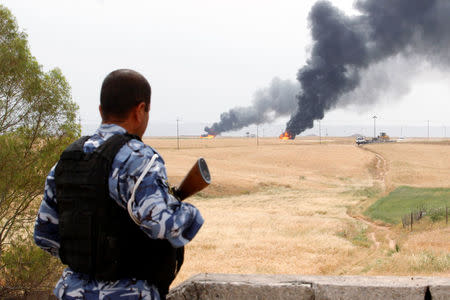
196,180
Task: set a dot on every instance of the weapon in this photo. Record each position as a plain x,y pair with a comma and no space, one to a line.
196,180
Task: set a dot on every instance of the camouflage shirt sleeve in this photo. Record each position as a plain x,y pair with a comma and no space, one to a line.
46,233
161,215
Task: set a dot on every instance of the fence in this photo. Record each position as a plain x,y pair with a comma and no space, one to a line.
435,214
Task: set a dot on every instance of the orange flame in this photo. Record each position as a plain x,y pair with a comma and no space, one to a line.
286,136
207,136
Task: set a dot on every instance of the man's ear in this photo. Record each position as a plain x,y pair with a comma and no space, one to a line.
140,111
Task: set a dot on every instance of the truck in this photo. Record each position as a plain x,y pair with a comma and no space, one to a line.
360,140
382,138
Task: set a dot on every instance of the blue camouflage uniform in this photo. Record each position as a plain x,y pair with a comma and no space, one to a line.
161,216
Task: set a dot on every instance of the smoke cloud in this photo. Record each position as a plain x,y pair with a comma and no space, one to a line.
346,48
354,59
268,104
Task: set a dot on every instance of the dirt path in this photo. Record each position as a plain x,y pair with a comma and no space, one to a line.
370,222
377,228
381,170
381,167
374,239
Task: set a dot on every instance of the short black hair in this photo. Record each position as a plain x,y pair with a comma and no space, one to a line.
122,90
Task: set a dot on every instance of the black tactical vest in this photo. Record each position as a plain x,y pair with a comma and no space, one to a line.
97,236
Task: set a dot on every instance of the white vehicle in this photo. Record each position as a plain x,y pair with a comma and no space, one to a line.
360,140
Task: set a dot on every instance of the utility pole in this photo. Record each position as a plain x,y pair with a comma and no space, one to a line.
178,135
374,127
320,134
257,135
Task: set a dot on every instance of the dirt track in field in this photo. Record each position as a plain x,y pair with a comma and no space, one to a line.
380,175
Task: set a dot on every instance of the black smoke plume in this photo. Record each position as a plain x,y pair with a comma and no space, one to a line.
268,104
347,48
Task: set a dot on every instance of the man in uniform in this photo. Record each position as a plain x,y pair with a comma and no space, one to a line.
108,211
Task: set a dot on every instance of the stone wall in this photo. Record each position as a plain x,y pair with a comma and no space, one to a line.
227,286
286,287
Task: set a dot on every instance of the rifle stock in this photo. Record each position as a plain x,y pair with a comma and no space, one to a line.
196,180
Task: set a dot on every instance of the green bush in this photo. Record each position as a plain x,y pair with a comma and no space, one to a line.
436,214
27,268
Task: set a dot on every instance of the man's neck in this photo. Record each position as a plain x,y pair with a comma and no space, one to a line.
124,124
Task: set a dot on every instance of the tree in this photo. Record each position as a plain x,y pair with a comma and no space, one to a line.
38,119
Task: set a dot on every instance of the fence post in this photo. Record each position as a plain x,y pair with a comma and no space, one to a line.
411,220
446,215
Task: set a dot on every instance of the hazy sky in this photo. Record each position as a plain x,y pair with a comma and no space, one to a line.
200,57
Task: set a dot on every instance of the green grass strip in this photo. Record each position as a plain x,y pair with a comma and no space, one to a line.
405,199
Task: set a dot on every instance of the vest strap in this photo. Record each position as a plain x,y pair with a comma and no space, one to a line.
136,185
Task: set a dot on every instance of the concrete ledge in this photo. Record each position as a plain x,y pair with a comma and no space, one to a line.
229,286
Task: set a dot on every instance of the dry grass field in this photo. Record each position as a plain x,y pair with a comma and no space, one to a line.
417,164
294,207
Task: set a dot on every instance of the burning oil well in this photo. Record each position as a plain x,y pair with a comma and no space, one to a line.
207,136
345,50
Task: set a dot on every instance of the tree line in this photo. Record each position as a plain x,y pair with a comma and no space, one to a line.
38,119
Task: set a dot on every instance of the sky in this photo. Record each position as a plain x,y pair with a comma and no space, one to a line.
203,57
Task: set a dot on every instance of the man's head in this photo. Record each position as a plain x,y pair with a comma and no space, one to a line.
125,100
